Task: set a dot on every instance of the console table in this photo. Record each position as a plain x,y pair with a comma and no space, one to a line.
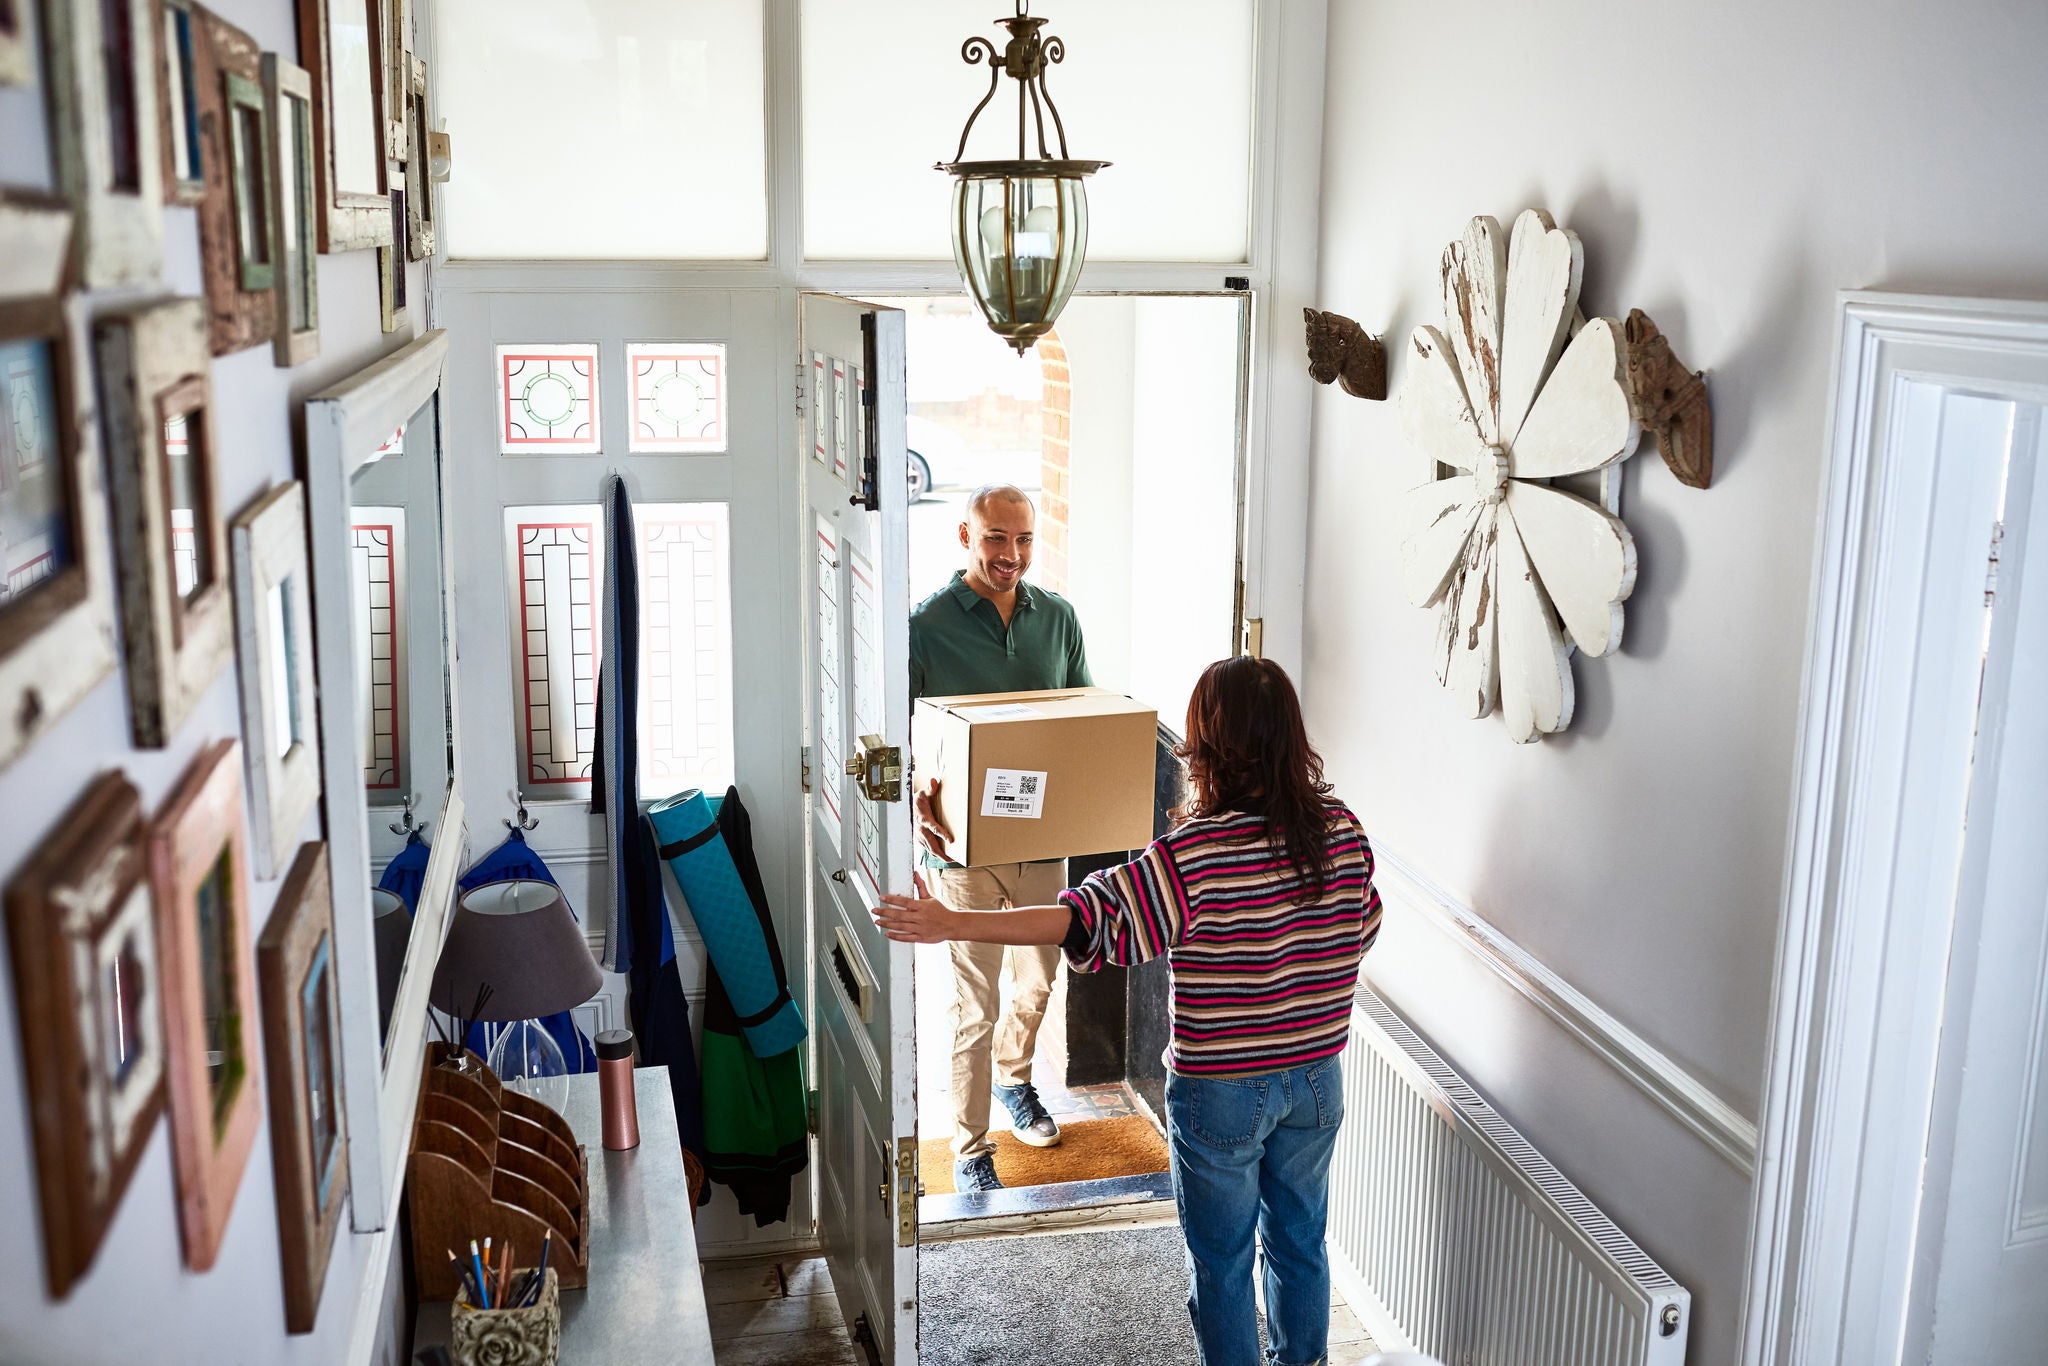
645,1302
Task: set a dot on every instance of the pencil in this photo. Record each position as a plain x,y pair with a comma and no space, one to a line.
476,1260
504,1288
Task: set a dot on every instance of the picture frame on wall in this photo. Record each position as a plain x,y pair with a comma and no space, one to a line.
391,264
104,124
17,43
394,34
178,39
419,185
339,44
176,612
237,225
56,574
288,90
199,883
274,642
301,1049
88,986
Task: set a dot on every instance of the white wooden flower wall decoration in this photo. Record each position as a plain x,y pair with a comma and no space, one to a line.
1513,397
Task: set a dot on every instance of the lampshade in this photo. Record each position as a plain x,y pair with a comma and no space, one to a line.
520,937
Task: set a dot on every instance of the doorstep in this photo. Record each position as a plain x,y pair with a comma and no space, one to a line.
1112,1201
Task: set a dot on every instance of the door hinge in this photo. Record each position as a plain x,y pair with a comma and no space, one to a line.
1991,562
811,1111
800,386
906,1192
803,764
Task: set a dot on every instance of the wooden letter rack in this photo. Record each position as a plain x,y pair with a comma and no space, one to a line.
488,1161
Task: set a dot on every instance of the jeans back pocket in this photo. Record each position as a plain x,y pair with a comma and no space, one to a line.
1326,1080
1223,1114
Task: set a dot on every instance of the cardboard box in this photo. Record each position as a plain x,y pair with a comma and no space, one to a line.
1038,775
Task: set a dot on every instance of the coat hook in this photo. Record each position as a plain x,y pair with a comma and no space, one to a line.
524,821
405,824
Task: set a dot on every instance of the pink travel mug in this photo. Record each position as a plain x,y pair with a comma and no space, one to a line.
615,1089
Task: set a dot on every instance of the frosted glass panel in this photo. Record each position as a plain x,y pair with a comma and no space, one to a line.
630,129
1164,92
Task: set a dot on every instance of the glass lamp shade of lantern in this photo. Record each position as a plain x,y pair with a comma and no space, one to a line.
1020,227
1018,241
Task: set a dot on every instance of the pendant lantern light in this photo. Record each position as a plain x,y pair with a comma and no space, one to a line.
1020,228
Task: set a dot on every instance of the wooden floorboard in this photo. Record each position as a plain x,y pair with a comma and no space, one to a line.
827,1347
776,1312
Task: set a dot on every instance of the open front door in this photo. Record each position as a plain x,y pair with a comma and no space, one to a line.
851,446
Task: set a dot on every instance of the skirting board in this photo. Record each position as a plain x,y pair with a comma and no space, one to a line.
1653,1072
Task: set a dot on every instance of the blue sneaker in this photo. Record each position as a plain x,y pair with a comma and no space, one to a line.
1028,1115
976,1174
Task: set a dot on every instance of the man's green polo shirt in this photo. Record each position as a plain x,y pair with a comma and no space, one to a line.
958,644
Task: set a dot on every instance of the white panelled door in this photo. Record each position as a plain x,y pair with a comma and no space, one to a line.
1992,1236
856,509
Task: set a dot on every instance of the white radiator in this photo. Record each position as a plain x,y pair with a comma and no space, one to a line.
1451,1235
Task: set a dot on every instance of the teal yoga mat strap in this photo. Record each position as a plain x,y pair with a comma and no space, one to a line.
686,828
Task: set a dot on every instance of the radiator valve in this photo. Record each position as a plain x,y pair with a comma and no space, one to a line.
1669,1324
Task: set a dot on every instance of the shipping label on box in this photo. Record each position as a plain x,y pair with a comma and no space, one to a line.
1039,775
1018,792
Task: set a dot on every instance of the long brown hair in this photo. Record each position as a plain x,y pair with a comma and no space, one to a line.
1248,751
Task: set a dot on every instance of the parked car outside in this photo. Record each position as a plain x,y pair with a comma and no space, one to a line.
941,459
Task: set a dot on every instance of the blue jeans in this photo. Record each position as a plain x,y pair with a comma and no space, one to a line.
1254,1152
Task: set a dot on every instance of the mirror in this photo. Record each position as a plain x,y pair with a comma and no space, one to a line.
399,629
376,483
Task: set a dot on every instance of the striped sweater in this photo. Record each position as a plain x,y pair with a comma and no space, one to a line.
1262,974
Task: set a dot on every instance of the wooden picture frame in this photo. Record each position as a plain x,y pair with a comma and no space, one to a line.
179,37
104,121
274,642
199,880
237,228
302,1052
419,185
394,40
156,390
56,588
391,263
17,42
295,203
89,988
350,142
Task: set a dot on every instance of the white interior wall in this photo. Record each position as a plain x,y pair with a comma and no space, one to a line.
137,1302
1728,169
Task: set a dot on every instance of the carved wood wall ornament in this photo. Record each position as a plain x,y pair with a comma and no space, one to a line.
1671,402
1511,395
1339,349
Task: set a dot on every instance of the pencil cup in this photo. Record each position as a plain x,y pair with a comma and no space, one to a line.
509,1337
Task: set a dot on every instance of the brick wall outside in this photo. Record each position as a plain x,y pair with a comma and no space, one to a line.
1049,564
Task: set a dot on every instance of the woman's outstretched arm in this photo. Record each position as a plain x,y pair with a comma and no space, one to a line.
926,920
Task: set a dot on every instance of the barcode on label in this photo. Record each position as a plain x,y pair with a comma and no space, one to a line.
1028,785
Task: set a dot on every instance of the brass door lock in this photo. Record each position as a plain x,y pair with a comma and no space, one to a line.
878,769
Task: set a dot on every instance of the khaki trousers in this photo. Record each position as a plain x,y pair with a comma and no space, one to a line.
979,1046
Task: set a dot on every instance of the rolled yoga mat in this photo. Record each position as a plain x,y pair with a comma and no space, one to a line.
686,829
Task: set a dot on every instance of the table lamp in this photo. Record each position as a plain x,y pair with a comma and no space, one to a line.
521,939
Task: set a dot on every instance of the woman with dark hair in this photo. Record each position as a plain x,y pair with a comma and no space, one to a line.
1261,897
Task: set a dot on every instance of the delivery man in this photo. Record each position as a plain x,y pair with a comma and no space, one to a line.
988,631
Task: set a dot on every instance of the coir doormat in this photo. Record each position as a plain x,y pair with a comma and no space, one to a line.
1089,1150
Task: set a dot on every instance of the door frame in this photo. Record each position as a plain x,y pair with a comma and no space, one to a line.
1278,270
1860,992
